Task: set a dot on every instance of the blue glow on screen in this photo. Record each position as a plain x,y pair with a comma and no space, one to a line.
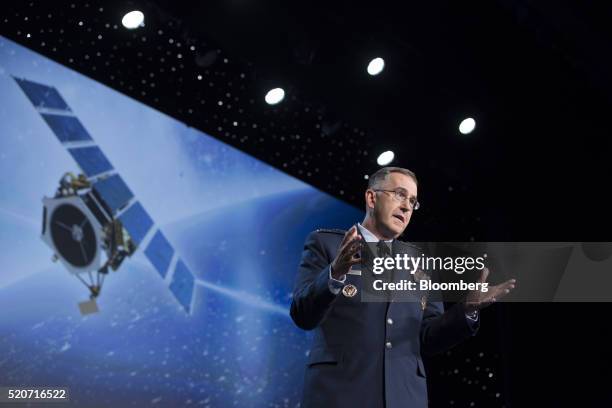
237,223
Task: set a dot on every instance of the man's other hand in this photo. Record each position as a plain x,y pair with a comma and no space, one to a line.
477,299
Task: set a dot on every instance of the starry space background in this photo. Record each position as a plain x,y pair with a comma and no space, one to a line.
237,222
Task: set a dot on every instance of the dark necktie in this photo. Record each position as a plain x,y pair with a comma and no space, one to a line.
383,249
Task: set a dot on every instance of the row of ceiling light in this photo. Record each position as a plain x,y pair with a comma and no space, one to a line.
135,19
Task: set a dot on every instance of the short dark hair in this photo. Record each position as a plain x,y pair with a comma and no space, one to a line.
383,173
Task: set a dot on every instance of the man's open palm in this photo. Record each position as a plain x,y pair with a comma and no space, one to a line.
477,299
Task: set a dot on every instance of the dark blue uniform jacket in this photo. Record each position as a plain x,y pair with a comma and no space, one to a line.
366,354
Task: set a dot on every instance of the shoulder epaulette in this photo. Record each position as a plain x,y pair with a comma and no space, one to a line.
332,231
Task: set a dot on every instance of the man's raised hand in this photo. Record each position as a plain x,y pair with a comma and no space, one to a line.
348,254
477,299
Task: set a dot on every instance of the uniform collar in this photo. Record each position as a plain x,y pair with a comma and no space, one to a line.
368,236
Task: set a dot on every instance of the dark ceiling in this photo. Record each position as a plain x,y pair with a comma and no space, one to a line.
534,75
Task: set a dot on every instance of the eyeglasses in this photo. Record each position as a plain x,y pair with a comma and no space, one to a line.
401,195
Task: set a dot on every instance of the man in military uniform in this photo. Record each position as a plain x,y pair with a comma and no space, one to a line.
368,354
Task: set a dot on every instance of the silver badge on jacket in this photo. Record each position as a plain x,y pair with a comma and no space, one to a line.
349,290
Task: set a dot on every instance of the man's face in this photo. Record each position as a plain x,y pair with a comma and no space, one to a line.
391,215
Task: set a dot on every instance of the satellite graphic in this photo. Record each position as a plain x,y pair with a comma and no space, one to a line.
158,270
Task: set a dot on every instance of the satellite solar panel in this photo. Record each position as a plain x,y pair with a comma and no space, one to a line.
42,96
113,191
91,160
182,285
66,128
160,253
137,222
